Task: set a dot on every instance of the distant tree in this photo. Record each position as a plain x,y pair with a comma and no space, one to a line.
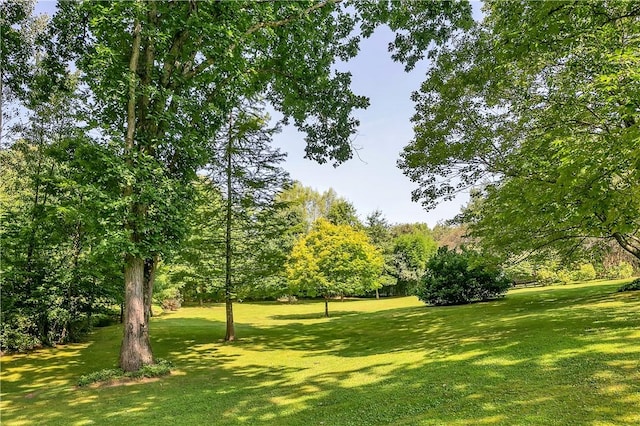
410,255
342,212
195,270
451,235
333,260
410,228
310,205
379,232
454,278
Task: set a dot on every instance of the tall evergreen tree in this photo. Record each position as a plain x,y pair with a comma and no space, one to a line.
249,178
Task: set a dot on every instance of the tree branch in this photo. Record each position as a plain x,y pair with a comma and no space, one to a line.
256,27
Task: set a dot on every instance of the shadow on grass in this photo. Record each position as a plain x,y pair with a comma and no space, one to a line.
313,315
552,357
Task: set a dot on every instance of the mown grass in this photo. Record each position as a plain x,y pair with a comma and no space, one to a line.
545,356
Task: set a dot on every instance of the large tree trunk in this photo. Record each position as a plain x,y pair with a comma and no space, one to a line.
136,348
326,306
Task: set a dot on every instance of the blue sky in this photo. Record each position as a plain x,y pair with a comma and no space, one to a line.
371,180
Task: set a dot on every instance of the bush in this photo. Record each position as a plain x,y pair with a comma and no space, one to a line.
547,276
171,304
620,271
520,272
565,277
632,286
18,331
160,368
586,272
454,278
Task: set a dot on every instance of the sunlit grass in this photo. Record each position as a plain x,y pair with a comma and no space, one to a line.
553,355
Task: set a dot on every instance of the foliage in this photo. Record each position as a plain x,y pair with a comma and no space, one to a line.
539,105
161,78
632,286
454,278
106,375
342,212
379,232
520,272
585,272
547,275
333,260
620,271
411,253
60,241
309,205
160,368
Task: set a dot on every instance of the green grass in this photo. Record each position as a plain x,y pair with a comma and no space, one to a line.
548,356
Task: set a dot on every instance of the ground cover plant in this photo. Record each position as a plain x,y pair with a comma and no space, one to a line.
550,355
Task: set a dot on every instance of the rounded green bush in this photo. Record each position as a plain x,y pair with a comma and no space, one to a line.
455,278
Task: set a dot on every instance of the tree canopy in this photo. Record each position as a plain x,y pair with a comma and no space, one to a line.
539,105
333,260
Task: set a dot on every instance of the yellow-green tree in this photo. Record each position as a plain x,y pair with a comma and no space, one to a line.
333,260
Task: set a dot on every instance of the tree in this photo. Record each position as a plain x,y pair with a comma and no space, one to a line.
454,278
59,257
196,268
250,179
342,212
173,71
539,105
333,260
379,232
410,255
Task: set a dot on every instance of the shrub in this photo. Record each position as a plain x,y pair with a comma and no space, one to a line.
171,304
454,278
547,276
520,272
160,368
565,277
18,332
632,286
586,272
620,271
104,375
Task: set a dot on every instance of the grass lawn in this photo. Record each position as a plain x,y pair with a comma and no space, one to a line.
565,355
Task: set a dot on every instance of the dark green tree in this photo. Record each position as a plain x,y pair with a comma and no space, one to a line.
342,212
249,178
379,232
454,278
410,255
59,235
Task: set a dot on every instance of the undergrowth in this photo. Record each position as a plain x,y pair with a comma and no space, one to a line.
160,368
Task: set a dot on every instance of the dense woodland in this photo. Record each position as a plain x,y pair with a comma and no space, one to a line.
137,167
